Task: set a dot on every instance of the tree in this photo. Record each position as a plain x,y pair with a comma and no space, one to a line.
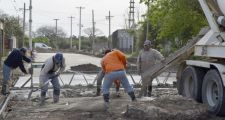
49,32
12,27
89,32
173,21
41,40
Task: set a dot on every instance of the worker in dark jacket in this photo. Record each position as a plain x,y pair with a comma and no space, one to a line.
14,60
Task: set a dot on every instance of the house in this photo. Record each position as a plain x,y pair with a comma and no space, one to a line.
123,40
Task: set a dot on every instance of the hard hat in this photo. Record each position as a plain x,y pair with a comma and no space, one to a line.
58,57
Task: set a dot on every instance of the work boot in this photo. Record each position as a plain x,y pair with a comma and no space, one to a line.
106,106
106,99
149,91
42,99
132,96
117,92
56,94
98,92
5,90
145,91
55,98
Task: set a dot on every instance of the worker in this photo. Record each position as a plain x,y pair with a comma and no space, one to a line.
51,69
99,79
14,60
113,65
146,59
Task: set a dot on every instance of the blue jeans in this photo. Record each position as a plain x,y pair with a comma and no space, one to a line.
116,75
6,74
55,84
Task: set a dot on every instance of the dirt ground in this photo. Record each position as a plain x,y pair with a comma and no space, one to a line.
86,68
80,103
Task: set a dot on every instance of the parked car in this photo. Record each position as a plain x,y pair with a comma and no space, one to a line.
41,45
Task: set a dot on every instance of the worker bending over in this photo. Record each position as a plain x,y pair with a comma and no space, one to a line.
14,60
113,65
51,69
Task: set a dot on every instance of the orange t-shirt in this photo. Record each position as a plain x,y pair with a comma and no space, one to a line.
112,61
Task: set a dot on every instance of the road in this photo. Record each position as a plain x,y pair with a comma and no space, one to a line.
71,59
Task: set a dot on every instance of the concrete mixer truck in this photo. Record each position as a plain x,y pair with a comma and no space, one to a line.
204,80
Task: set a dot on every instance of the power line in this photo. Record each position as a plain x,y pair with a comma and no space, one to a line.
14,6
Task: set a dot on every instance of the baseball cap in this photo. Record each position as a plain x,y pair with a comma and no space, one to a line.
58,57
147,42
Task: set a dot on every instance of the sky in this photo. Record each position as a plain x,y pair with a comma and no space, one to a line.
44,11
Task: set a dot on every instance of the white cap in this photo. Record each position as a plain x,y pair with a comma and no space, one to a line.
147,42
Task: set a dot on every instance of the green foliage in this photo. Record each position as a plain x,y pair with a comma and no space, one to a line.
12,27
173,21
101,39
41,40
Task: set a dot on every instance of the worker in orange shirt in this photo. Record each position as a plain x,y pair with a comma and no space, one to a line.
113,65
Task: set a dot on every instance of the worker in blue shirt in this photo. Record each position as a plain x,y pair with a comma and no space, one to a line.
14,60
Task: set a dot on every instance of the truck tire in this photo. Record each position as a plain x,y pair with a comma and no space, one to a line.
180,70
213,93
191,83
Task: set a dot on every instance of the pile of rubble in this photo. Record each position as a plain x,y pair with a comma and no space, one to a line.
86,68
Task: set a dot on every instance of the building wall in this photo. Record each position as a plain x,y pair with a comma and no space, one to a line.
123,40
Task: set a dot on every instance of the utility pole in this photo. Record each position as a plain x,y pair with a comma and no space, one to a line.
71,31
131,14
56,32
147,22
56,26
80,8
93,27
131,21
24,24
24,21
109,38
30,26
